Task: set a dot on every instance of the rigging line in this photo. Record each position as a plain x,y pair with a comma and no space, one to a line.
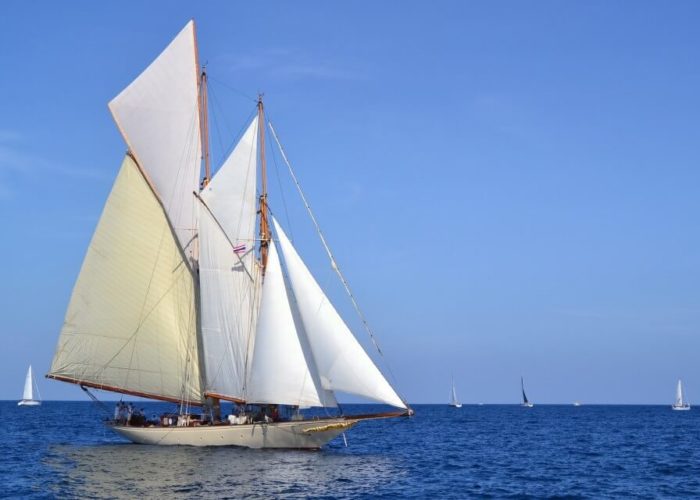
216,122
279,183
97,402
240,261
225,151
234,89
334,264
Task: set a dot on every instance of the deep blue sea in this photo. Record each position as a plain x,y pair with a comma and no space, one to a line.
62,450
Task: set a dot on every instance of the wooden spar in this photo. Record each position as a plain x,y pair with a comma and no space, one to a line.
216,396
204,126
264,223
119,390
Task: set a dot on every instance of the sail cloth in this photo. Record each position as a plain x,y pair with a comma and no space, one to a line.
158,115
280,371
229,276
28,393
342,363
131,321
228,307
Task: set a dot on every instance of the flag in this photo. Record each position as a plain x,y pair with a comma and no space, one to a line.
239,249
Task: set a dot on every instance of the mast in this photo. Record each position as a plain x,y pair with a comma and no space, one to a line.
264,221
204,126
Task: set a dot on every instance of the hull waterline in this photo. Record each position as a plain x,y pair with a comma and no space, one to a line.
310,434
29,402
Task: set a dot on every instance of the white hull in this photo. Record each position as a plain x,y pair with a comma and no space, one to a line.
29,402
307,434
681,408
527,405
457,405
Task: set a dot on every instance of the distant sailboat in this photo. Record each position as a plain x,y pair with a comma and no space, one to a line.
453,396
28,395
680,404
525,402
577,403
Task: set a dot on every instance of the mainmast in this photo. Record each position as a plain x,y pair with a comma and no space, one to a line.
264,221
204,127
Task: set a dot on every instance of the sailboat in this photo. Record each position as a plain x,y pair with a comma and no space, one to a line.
680,404
453,396
28,394
191,292
526,403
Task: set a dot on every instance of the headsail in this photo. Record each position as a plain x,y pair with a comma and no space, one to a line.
342,363
158,115
280,370
131,322
522,387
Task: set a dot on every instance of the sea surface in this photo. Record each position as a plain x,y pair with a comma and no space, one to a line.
62,450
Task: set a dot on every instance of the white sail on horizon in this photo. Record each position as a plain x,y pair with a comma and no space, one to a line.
28,393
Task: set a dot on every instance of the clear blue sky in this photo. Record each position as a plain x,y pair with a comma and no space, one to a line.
511,187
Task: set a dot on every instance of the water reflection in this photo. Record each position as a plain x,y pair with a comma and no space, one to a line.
117,470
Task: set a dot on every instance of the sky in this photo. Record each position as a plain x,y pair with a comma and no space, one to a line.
511,188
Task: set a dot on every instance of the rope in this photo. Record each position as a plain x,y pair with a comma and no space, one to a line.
334,264
99,403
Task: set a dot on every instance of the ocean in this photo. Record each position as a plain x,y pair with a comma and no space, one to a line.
62,450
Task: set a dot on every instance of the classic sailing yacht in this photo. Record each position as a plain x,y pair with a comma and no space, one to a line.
525,402
453,396
680,404
28,394
192,293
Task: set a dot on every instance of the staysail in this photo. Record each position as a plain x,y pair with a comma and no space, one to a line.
280,371
131,321
342,363
158,115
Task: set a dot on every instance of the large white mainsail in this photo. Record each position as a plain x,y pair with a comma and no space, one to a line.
158,115
280,371
131,322
342,363
229,274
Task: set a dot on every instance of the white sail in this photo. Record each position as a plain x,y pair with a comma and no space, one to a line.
679,394
228,309
229,276
280,370
342,363
231,194
28,393
453,399
131,321
158,115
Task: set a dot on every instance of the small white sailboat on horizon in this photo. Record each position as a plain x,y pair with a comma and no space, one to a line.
680,404
454,402
28,394
526,403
